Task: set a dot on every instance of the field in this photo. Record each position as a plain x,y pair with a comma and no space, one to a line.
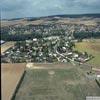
48,20
10,77
78,21
6,46
92,47
65,83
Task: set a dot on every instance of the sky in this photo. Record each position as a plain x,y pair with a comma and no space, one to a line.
37,8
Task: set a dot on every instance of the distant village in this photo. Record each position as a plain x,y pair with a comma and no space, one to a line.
22,32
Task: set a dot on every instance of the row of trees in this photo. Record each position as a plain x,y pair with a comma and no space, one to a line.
82,35
19,37
22,37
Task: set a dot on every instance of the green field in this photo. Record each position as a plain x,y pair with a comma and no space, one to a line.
68,83
92,47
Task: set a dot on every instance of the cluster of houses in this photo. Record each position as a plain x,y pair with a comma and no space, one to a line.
49,49
50,28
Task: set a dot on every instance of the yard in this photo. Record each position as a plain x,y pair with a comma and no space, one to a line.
68,83
91,47
6,46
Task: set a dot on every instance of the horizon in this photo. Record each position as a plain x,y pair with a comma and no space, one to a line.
38,8
52,15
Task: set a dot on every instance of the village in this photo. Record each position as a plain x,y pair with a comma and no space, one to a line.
64,52
49,49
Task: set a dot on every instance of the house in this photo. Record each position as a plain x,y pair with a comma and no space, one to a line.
1,42
35,39
75,55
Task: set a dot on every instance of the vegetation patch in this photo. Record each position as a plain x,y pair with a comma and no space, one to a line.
71,83
91,47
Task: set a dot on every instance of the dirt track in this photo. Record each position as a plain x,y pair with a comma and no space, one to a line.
49,65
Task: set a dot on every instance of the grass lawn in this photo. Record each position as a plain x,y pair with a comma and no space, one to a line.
63,84
92,47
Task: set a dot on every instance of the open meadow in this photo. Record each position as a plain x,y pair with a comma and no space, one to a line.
91,47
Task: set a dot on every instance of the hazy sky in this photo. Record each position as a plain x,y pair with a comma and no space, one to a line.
35,8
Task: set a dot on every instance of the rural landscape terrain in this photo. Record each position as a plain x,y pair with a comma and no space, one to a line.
60,55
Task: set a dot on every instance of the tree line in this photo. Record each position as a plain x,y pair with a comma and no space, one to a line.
22,37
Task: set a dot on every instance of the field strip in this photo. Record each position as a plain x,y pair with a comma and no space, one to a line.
96,69
11,76
32,66
37,67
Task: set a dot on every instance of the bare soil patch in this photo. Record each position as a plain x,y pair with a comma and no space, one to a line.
95,47
10,77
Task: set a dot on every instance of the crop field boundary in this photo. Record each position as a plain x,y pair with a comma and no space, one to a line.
18,86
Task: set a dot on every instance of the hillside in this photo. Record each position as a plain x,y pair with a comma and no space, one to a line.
81,26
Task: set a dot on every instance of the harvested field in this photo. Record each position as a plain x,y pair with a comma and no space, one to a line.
78,21
10,77
96,47
56,84
6,46
21,22
24,21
